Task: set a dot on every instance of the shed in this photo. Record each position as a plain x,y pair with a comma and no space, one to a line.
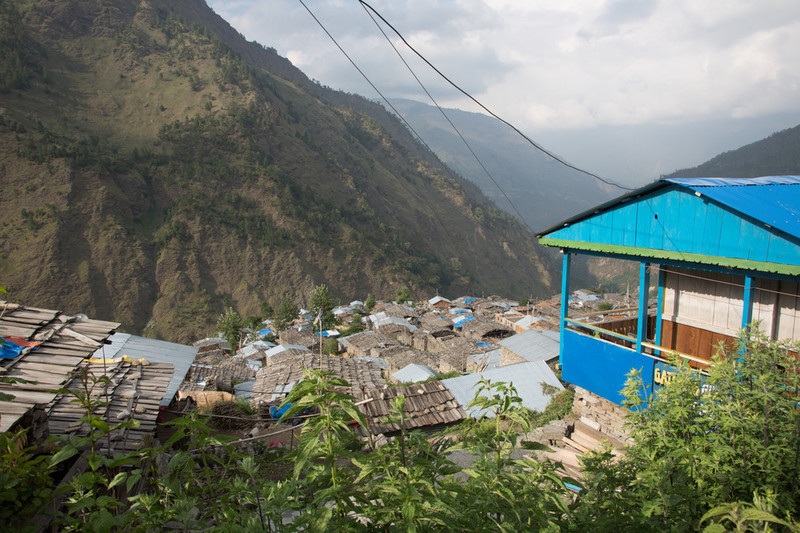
439,301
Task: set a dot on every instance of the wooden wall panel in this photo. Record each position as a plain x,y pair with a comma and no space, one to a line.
693,341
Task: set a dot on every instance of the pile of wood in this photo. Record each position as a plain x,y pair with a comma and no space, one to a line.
576,439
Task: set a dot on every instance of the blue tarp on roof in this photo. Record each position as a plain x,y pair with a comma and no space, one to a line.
773,200
9,350
458,322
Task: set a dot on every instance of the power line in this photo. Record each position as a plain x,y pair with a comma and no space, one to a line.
465,93
489,174
386,100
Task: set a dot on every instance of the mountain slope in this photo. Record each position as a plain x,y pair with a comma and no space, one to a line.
778,154
543,190
156,167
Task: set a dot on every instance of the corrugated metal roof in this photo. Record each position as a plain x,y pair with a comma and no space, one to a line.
744,224
180,356
488,359
534,344
380,361
773,200
413,372
283,347
527,378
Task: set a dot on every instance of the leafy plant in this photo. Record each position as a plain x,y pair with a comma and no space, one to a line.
230,324
25,483
704,441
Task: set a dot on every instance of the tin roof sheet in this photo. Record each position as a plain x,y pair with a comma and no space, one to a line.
773,200
527,378
180,356
413,372
534,344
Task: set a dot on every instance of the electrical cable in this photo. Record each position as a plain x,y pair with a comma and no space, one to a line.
491,177
490,112
386,100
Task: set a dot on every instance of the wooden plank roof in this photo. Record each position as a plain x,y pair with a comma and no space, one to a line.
274,381
64,341
135,392
426,404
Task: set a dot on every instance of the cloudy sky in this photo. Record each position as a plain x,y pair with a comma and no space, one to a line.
545,65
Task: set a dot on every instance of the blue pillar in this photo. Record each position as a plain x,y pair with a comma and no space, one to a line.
747,308
659,306
565,273
644,286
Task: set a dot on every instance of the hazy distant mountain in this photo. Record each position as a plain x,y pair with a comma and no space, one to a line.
156,168
543,190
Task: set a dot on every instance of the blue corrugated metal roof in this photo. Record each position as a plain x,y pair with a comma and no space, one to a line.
746,224
773,200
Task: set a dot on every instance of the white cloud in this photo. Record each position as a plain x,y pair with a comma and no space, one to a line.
545,64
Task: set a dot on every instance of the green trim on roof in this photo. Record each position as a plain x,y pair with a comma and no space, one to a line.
729,262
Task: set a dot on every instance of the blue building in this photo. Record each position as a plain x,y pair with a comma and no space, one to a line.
722,252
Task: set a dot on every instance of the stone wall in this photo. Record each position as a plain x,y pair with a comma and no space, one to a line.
600,414
507,357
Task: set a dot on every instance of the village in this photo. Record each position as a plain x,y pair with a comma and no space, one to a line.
66,377
432,353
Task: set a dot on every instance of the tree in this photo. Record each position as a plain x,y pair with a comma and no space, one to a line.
331,346
321,300
703,442
286,313
403,295
230,324
355,326
369,303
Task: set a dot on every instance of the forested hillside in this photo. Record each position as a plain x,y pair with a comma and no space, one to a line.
156,168
778,154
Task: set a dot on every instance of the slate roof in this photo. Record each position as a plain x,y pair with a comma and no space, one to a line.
426,404
434,322
483,327
366,340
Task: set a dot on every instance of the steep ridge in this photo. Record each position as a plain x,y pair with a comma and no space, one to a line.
543,190
156,168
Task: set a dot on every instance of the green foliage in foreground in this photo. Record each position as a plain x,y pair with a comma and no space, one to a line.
723,459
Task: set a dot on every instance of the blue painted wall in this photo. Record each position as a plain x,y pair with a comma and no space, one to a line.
674,219
601,367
